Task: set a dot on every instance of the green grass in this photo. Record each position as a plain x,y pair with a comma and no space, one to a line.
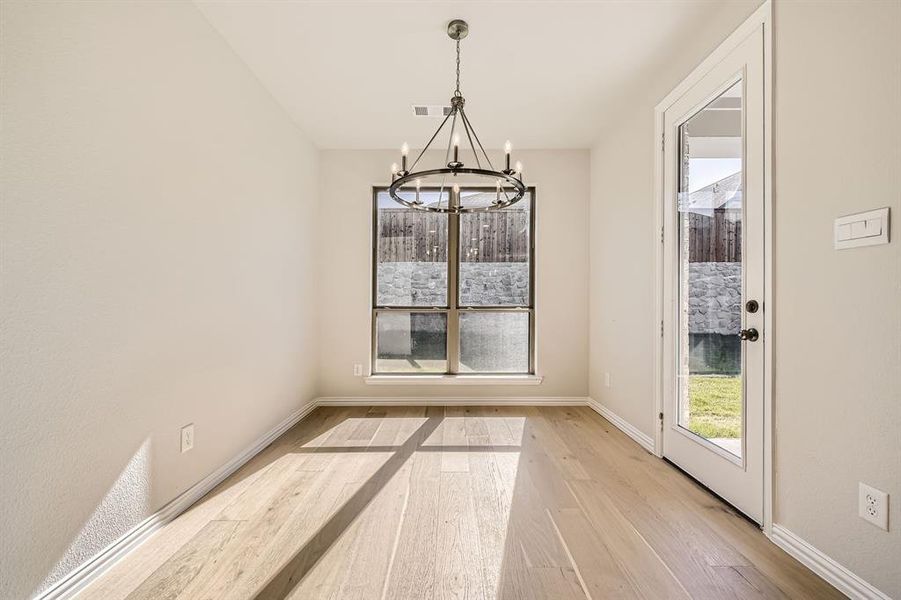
715,406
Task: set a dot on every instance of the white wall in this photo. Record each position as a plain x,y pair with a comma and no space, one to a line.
158,215
838,314
561,178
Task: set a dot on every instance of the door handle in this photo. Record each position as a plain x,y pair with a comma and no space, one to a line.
749,335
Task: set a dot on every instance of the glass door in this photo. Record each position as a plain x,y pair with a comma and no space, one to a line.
710,208
713,279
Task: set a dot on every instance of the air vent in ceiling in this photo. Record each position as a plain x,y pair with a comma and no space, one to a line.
421,110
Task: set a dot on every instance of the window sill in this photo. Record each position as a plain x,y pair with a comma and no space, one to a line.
453,380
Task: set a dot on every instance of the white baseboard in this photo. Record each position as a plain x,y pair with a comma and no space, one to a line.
844,580
74,582
452,401
644,440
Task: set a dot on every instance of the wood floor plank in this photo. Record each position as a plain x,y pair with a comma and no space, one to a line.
246,561
169,581
557,582
398,424
530,528
649,574
313,531
599,573
552,440
414,572
453,429
526,503
367,569
493,481
459,547
750,581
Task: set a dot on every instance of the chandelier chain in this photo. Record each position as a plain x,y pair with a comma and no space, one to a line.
457,92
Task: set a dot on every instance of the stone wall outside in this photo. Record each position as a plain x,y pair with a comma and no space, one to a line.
714,298
425,283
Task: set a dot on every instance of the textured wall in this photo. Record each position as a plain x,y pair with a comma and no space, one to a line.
157,263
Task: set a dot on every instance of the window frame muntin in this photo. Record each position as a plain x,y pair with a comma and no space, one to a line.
452,309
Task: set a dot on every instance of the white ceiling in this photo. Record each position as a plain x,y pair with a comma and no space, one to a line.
542,74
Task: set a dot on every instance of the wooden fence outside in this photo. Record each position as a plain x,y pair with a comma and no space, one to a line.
716,238
411,236
415,236
503,236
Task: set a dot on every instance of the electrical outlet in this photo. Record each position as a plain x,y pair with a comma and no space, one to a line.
187,437
358,370
606,379
872,506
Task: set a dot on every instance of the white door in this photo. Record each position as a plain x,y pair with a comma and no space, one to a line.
713,380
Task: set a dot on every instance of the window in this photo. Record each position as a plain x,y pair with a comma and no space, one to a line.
453,293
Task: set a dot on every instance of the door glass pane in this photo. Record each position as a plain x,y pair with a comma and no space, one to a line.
411,265
494,254
494,342
409,342
711,399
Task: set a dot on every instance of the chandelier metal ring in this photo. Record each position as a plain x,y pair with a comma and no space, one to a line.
510,188
503,201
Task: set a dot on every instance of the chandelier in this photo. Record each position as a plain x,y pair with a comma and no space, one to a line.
505,187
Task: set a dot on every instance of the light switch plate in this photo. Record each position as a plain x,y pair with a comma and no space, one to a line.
869,228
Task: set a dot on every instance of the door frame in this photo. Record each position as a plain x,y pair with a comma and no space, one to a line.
761,20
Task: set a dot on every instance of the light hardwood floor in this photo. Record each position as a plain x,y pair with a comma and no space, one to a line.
456,502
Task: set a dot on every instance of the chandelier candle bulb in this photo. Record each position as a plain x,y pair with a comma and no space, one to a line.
404,150
393,171
507,149
418,185
456,147
519,169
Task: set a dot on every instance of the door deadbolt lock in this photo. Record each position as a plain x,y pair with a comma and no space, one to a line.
752,306
749,335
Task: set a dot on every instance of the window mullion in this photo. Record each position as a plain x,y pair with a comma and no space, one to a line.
453,294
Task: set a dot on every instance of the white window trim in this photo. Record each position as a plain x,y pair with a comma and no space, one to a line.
417,379
530,378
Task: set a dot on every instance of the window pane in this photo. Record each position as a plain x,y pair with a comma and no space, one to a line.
411,342
411,266
494,342
494,256
710,283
